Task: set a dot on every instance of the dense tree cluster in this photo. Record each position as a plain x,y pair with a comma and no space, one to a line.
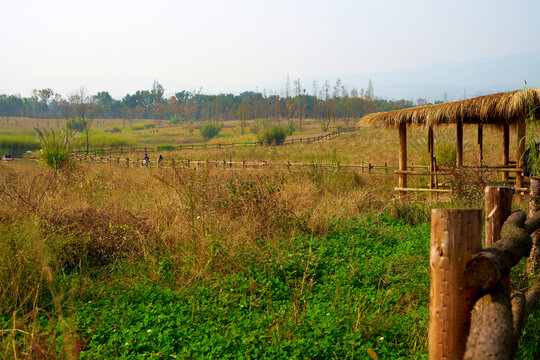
327,103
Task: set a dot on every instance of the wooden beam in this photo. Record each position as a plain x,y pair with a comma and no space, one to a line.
521,128
506,148
455,237
422,190
459,138
402,182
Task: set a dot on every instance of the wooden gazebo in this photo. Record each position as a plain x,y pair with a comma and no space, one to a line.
502,109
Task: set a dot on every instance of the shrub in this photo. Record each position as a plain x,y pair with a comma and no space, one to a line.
143,126
209,130
76,124
55,147
259,126
274,134
175,119
114,130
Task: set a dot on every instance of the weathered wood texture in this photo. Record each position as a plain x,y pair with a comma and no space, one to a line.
485,269
534,210
498,208
455,237
490,336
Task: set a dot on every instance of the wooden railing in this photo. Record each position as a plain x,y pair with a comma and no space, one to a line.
208,146
473,314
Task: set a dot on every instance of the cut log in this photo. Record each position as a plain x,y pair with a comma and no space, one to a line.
490,336
486,268
518,317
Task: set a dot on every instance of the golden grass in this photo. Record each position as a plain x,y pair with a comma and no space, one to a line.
489,109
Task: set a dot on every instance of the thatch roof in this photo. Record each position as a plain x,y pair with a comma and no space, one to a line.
489,109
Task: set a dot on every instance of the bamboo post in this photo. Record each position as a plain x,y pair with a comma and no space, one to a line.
534,209
402,178
520,150
459,138
498,209
506,148
481,143
455,237
431,151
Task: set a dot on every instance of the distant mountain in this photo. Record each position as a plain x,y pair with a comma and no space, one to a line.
458,80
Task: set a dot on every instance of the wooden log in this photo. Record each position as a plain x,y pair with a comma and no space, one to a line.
455,237
490,336
402,179
506,148
522,306
498,209
534,209
486,268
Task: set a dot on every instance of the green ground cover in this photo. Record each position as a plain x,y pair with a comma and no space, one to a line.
364,286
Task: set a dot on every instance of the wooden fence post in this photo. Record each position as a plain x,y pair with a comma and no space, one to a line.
534,209
498,209
455,237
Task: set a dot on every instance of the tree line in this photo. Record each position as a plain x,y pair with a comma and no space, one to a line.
328,102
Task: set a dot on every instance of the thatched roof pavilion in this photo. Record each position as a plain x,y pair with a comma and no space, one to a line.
502,109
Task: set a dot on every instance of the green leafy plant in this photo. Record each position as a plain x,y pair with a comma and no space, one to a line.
532,156
55,146
274,134
209,130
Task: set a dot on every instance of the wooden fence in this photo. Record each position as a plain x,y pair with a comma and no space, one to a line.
473,313
228,164
121,149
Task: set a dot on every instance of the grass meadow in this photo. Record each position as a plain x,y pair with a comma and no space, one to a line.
104,262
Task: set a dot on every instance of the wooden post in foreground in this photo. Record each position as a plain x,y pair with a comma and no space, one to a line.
455,237
498,209
402,182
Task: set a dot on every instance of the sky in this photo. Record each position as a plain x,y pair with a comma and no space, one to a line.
235,45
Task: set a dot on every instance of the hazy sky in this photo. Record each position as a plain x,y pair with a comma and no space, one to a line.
222,46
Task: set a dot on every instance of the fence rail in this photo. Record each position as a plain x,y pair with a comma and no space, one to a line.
472,314
147,149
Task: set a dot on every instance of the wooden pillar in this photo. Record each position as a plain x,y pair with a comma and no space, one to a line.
481,143
402,182
506,148
431,162
455,237
498,209
520,150
459,138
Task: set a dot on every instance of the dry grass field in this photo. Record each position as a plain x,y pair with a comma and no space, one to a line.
185,261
